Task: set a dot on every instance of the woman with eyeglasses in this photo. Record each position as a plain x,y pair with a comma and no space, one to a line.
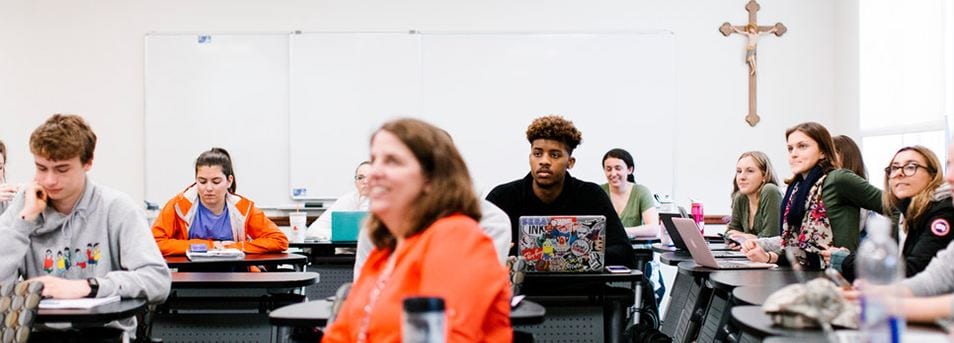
915,188
820,210
356,200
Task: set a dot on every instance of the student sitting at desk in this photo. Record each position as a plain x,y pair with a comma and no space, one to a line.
633,202
64,211
850,157
756,198
7,191
929,295
209,212
423,224
914,187
549,189
356,200
820,209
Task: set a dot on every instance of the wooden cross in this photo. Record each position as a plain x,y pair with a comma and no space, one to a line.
752,31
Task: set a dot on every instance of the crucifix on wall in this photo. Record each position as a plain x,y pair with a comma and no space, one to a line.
752,31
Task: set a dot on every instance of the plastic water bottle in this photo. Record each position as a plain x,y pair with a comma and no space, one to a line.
665,205
423,320
879,265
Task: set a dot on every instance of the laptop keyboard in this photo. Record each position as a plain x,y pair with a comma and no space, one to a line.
727,254
733,265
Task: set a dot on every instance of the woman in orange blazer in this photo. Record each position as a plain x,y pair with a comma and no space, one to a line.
209,212
423,225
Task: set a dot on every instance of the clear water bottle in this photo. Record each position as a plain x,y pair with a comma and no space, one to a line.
423,320
665,205
879,265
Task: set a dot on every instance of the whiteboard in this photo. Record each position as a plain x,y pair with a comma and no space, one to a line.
343,86
484,89
229,91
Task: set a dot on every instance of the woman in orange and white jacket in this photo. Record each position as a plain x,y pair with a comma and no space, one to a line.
209,212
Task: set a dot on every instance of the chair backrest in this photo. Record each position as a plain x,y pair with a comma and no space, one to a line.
340,297
515,267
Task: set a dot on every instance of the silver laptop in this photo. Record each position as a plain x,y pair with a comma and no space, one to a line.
700,250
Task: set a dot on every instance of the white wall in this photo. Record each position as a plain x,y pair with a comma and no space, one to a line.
87,57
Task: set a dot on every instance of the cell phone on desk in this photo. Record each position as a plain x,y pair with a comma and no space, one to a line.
837,278
731,240
198,247
516,300
618,269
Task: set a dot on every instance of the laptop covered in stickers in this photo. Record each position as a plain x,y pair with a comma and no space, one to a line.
562,244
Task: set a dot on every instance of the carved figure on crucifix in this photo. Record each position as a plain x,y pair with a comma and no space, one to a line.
752,33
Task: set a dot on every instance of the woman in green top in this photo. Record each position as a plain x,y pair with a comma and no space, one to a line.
820,209
633,202
756,198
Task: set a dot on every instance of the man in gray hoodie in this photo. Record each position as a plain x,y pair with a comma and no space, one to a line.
78,238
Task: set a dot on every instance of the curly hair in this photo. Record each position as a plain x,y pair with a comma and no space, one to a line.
63,137
554,127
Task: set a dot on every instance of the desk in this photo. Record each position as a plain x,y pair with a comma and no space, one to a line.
756,325
322,248
335,269
100,314
572,299
751,295
276,259
184,280
316,313
717,325
644,240
727,280
226,306
674,258
307,314
714,245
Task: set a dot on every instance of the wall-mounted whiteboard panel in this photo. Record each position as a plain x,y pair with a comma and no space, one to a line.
619,89
343,86
229,91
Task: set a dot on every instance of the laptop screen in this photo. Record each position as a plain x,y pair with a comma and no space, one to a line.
562,243
346,224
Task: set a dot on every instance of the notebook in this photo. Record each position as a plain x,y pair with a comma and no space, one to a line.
680,244
563,244
700,252
346,224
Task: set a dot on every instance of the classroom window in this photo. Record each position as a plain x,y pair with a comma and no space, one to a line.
906,70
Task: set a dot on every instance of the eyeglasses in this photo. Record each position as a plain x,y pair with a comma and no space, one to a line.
360,177
907,170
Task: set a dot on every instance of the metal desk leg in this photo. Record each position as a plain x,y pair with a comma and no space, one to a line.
638,301
613,312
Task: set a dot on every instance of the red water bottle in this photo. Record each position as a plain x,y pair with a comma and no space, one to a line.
698,217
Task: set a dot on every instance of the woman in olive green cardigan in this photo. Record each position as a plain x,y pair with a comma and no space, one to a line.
821,207
755,206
